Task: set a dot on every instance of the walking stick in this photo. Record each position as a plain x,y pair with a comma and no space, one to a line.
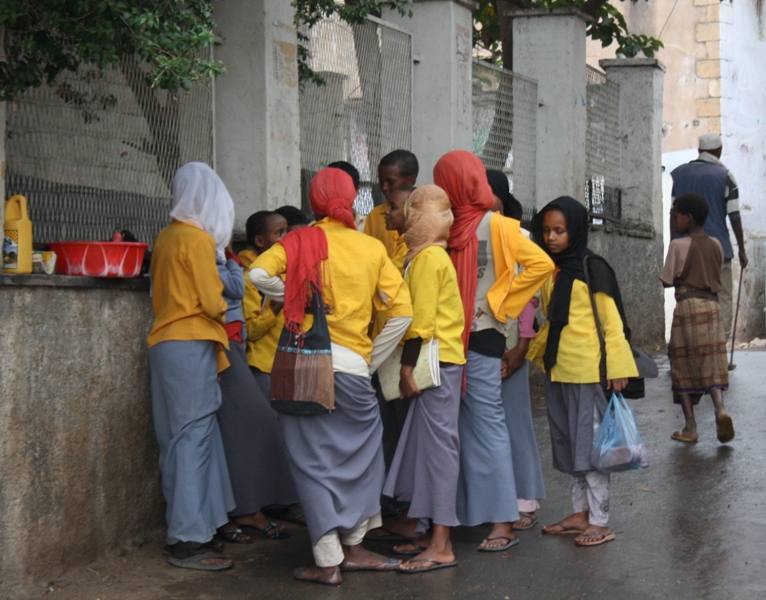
732,366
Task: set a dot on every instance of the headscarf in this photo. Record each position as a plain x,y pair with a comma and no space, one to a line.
331,193
200,198
570,262
463,177
498,181
428,220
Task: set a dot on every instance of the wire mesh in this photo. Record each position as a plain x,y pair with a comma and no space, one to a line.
505,128
602,146
97,150
364,109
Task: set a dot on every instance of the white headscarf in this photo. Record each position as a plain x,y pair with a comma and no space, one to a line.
200,198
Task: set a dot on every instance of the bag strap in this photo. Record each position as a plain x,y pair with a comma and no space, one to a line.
602,343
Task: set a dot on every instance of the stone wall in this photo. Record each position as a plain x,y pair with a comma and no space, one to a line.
79,475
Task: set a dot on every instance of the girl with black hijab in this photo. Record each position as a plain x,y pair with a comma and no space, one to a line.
568,349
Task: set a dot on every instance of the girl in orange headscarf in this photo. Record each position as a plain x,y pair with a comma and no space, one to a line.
337,458
485,248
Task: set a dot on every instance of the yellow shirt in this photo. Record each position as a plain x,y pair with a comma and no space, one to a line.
437,307
579,353
360,276
187,292
375,226
262,325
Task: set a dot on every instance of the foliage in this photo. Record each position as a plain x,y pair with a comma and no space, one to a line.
309,12
42,38
608,27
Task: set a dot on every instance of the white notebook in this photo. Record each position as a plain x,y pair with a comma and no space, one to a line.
426,372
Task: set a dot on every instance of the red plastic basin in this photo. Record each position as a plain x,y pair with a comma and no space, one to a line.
99,259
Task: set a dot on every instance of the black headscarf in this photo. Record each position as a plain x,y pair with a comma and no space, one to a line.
570,261
498,181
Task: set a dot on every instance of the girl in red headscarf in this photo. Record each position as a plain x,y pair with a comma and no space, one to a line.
337,458
485,248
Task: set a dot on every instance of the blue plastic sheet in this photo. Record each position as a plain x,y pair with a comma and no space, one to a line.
618,445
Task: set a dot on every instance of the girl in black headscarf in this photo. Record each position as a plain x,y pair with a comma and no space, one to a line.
568,349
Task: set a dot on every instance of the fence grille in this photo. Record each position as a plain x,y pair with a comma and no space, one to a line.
364,109
602,145
505,128
98,149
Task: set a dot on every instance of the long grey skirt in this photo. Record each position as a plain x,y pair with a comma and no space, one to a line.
195,479
426,464
486,487
571,416
527,470
255,450
337,459
263,380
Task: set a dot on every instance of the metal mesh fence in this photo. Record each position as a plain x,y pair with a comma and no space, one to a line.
602,147
98,149
364,109
505,128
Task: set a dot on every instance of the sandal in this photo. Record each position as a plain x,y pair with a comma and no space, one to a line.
511,542
595,538
234,536
271,531
525,517
724,428
680,436
404,551
434,564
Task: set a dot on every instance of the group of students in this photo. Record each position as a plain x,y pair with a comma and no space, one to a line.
446,262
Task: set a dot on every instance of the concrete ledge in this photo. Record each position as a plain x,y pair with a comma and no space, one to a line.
631,62
549,12
69,281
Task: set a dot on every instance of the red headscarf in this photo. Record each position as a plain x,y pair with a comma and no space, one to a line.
331,193
464,178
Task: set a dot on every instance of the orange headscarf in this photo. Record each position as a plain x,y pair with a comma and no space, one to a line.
464,178
429,218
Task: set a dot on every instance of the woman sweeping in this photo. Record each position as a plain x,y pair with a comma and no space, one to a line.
567,348
485,248
337,458
185,355
426,464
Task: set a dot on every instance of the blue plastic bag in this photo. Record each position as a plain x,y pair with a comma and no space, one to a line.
618,445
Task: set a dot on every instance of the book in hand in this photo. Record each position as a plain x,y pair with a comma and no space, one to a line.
426,372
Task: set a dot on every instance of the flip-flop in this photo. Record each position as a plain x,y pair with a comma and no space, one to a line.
266,532
680,436
391,564
533,522
605,537
435,565
195,562
414,552
390,537
724,428
565,530
511,542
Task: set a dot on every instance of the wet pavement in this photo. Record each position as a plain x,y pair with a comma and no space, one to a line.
690,526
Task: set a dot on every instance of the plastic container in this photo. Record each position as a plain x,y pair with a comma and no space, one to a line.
17,241
99,259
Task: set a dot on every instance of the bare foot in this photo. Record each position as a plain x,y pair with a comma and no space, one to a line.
501,535
324,575
360,559
572,525
594,536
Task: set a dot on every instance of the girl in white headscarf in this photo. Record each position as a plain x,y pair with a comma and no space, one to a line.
185,356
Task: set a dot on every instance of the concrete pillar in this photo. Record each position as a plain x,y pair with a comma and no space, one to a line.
641,86
549,46
257,129
442,111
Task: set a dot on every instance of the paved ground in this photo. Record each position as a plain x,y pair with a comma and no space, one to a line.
691,526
